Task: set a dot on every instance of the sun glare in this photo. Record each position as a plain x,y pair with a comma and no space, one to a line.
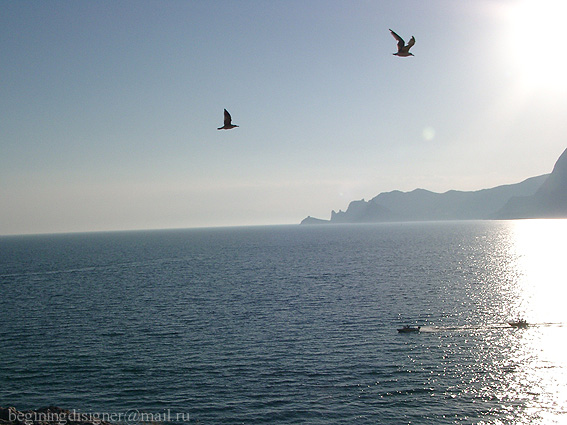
536,42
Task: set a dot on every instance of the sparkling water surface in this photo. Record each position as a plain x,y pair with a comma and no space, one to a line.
291,324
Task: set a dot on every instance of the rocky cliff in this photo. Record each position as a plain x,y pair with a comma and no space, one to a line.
549,201
536,197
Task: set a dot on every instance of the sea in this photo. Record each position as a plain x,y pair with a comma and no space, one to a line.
290,324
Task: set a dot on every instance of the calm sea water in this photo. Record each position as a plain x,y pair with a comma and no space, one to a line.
290,324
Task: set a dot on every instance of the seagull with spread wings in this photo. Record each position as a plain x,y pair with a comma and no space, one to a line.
227,122
403,48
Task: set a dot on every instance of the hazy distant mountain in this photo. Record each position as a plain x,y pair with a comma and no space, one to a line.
541,196
550,200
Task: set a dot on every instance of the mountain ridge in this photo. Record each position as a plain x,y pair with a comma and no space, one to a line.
550,200
535,197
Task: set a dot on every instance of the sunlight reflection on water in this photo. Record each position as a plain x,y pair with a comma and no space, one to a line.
540,376
540,266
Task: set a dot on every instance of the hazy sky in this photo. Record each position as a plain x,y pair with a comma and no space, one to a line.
109,109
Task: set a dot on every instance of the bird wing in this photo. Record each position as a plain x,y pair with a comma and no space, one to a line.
227,118
411,42
401,41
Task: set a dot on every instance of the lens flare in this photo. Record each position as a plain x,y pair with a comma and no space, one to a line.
428,133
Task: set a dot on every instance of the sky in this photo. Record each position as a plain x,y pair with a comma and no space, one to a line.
109,109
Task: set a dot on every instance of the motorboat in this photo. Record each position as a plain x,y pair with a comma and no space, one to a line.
409,329
520,323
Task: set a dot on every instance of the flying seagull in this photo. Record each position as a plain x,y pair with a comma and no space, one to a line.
227,122
403,49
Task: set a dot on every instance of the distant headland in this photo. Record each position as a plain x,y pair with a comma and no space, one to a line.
543,196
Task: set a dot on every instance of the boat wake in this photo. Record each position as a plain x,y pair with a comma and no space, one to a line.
466,328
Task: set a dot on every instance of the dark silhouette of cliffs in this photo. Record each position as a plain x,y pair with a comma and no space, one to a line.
536,197
549,201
